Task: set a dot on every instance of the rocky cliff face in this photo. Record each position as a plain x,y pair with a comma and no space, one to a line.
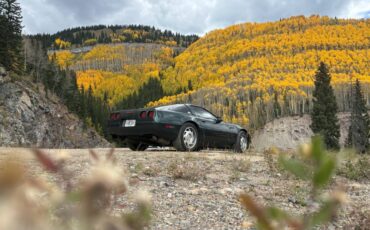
29,119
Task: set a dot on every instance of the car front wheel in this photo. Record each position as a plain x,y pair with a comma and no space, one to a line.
241,145
188,138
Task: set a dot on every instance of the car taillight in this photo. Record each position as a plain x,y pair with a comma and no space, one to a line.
151,115
143,115
115,116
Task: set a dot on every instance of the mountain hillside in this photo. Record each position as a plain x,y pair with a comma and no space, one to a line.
114,72
97,69
29,119
252,73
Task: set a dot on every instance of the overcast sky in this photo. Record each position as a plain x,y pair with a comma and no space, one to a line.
184,16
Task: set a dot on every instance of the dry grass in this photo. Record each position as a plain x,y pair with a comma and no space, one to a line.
186,169
235,175
241,165
153,170
359,219
271,157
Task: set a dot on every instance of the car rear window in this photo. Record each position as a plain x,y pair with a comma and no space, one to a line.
176,108
200,112
180,108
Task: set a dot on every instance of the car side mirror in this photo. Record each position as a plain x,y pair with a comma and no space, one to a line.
218,120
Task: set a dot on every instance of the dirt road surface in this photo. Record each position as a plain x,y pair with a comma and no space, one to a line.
206,197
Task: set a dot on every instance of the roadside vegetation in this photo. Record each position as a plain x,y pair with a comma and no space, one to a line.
71,201
187,169
354,166
319,189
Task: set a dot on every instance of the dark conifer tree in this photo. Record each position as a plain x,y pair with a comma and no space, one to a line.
359,131
325,108
72,95
11,35
277,107
4,27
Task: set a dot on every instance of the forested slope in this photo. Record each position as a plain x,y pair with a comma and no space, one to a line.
115,71
98,69
254,72
115,62
248,73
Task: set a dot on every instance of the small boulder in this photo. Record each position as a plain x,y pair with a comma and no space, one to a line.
2,72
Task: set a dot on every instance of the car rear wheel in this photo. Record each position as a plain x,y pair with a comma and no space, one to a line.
137,146
241,145
187,139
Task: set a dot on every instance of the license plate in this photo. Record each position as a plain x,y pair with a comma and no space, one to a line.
130,123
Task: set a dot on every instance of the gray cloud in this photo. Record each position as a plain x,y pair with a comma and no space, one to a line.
191,16
85,11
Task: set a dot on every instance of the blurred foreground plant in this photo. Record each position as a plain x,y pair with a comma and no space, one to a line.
316,166
33,203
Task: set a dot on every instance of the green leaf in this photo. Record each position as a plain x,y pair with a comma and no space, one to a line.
276,213
295,167
323,174
318,151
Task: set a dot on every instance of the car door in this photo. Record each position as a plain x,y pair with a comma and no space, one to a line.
232,132
216,134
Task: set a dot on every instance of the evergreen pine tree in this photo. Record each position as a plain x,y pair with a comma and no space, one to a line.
11,35
4,26
72,95
358,134
325,108
277,107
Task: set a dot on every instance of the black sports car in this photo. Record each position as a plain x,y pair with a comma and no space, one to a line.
183,126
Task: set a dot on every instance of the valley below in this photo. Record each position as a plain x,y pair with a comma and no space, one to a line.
201,190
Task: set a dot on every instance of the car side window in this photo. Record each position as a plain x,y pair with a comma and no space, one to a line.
200,112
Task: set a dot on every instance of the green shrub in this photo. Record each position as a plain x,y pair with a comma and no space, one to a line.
356,169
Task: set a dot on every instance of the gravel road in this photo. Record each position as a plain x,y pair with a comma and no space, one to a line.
205,194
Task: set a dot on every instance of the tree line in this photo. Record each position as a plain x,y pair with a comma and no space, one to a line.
102,34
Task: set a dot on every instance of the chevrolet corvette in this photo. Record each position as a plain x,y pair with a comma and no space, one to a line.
185,127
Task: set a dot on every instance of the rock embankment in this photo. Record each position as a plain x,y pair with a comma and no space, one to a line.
290,132
28,118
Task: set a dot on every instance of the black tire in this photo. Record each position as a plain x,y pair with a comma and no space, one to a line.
242,142
192,144
137,146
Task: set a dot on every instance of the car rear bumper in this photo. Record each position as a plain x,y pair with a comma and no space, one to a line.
145,131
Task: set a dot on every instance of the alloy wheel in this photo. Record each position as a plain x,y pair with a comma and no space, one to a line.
190,138
243,144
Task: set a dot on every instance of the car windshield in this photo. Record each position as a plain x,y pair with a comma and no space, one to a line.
200,112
